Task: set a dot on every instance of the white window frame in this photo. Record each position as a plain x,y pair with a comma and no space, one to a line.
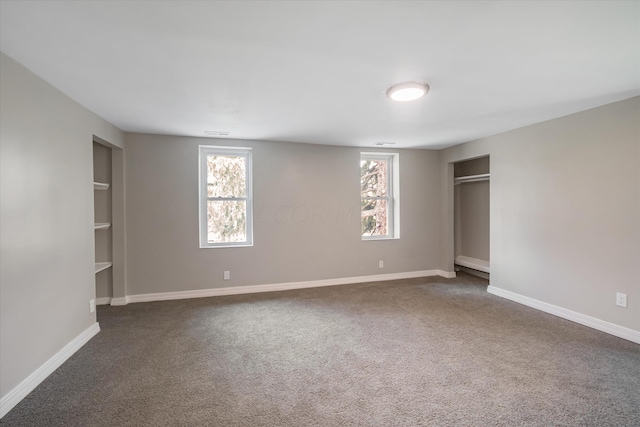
203,152
393,194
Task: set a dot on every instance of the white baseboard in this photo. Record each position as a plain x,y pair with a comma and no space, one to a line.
19,392
474,263
474,272
119,301
103,301
237,290
583,319
447,274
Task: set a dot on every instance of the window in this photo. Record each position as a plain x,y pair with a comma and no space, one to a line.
379,206
225,197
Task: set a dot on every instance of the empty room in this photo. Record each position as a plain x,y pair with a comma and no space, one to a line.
319,213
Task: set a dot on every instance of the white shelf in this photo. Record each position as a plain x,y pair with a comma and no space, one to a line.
101,225
100,186
471,178
102,266
476,264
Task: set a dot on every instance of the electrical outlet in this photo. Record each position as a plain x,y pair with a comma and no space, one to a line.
621,299
380,264
227,275
92,306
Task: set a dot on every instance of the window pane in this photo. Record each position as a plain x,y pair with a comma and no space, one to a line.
226,176
373,178
226,221
374,217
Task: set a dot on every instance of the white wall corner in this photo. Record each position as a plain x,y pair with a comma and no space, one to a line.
583,319
19,392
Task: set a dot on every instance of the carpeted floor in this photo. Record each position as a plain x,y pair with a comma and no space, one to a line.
418,352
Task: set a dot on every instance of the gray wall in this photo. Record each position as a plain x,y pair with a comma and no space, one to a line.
306,216
46,220
565,210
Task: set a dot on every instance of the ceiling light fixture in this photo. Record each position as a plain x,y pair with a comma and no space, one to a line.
384,143
407,91
216,133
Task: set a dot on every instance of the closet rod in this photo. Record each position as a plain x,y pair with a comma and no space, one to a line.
471,178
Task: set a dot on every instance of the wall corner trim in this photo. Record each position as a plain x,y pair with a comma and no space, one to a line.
447,274
237,290
26,386
119,301
583,319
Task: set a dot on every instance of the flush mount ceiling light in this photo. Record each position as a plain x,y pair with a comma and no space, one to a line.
407,91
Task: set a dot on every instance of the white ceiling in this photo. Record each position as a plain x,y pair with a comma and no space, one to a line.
317,71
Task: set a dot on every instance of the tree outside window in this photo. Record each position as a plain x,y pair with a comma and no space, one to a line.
376,195
225,204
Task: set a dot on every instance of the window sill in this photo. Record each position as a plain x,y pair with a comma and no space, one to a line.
244,245
365,239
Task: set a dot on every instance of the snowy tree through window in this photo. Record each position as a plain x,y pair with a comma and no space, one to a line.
225,197
376,195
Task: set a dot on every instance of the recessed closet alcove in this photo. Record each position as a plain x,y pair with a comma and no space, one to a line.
471,216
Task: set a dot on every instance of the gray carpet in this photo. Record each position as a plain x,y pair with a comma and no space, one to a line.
419,352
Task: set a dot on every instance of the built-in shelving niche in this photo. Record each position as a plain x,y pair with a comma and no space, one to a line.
101,186
103,204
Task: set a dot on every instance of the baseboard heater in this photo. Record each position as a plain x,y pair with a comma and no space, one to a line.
473,263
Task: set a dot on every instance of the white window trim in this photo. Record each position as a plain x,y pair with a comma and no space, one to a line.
203,152
393,193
